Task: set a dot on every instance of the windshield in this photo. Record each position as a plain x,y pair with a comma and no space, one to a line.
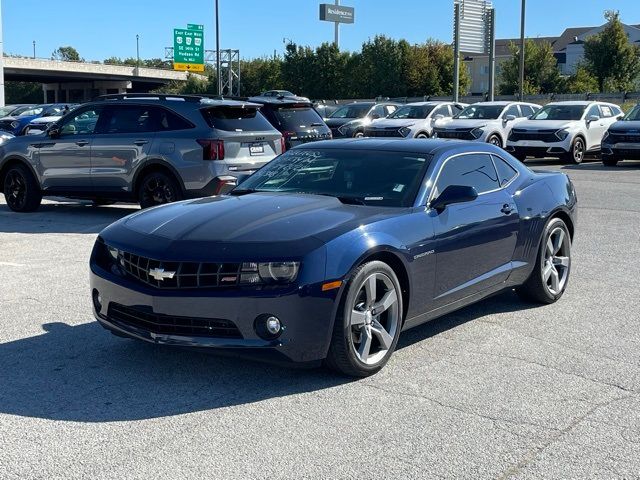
560,112
354,176
295,118
633,115
236,119
351,111
31,111
413,111
477,112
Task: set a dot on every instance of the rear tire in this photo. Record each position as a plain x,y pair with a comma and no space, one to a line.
550,276
21,190
158,188
368,321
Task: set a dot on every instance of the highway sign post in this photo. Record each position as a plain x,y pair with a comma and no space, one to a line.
337,14
188,48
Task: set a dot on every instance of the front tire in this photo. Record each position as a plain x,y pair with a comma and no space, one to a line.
21,190
549,278
495,140
610,161
578,148
158,188
368,322
422,135
358,134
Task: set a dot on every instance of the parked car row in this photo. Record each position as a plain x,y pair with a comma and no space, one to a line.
18,119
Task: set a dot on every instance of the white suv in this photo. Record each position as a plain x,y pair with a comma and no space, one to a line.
413,120
488,122
567,130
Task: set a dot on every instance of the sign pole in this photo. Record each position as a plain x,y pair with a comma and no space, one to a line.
218,52
1,61
337,29
456,51
492,52
522,12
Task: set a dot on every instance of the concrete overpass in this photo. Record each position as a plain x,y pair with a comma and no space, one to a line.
78,82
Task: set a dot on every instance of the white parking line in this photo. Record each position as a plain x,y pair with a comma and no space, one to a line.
11,264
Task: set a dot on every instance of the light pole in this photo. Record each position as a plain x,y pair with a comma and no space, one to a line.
337,29
522,14
137,54
1,61
34,49
218,52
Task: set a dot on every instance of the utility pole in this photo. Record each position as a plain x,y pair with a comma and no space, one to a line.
491,24
522,15
218,52
337,29
137,54
34,49
1,61
456,51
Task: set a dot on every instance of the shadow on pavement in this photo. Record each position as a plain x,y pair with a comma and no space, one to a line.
64,217
82,373
593,167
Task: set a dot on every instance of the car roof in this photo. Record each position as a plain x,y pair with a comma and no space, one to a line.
394,145
580,102
295,100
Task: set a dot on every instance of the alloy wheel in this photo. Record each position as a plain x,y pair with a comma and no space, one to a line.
555,267
15,189
578,151
374,318
358,135
157,190
495,140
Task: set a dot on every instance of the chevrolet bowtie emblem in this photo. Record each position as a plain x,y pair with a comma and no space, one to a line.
159,274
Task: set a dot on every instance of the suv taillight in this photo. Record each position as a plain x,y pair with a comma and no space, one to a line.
212,149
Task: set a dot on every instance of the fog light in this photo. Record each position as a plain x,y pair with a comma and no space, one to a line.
97,300
268,327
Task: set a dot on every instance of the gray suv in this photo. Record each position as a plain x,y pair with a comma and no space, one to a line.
151,149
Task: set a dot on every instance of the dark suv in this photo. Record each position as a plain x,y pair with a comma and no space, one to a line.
350,120
152,149
295,118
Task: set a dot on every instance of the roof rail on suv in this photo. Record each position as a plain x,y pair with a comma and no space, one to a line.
149,96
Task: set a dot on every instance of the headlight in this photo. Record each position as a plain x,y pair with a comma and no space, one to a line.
562,134
605,136
477,132
15,124
269,272
405,131
343,129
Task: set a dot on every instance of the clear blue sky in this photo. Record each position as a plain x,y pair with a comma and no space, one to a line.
100,29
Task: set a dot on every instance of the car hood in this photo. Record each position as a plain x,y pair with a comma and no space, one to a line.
395,122
626,127
296,222
45,119
545,124
338,122
464,123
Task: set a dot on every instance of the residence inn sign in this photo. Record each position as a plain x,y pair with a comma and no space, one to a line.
336,13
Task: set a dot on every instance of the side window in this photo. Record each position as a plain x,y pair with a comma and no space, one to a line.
506,172
389,109
443,110
456,109
167,120
594,110
512,110
378,111
474,170
82,123
129,119
527,111
606,111
616,111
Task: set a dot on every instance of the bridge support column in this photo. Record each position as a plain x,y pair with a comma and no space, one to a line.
79,92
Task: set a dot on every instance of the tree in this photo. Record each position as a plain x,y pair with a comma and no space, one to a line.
582,81
610,57
260,74
541,74
23,92
66,54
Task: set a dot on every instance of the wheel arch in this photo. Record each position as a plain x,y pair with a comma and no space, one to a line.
156,165
566,218
15,160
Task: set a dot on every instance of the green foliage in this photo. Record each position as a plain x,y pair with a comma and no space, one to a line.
611,58
582,81
541,74
67,54
23,92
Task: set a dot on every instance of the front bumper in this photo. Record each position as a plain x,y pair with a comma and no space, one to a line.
627,151
537,148
306,313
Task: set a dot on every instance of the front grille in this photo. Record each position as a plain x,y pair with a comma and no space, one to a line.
145,319
615,137
457,134
6,125
548,136
383,133
185,274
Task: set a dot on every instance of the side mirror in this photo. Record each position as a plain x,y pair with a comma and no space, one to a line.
453,194
509,118
375,116
592,118
620,117
54,131
437,117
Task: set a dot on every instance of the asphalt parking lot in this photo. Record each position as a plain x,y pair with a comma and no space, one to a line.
502,389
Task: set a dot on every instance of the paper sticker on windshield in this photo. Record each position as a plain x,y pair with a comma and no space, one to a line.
398,188
367,199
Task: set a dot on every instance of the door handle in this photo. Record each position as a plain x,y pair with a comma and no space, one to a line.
82,143
141,142
506,209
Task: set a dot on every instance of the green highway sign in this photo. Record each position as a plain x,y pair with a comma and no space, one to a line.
192,26
188,48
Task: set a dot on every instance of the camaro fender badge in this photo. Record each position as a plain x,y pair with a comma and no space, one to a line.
159,274
424,254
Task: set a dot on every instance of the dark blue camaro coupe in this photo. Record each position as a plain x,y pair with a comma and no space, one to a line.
331,250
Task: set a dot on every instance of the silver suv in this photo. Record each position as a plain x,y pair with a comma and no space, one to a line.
150,148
